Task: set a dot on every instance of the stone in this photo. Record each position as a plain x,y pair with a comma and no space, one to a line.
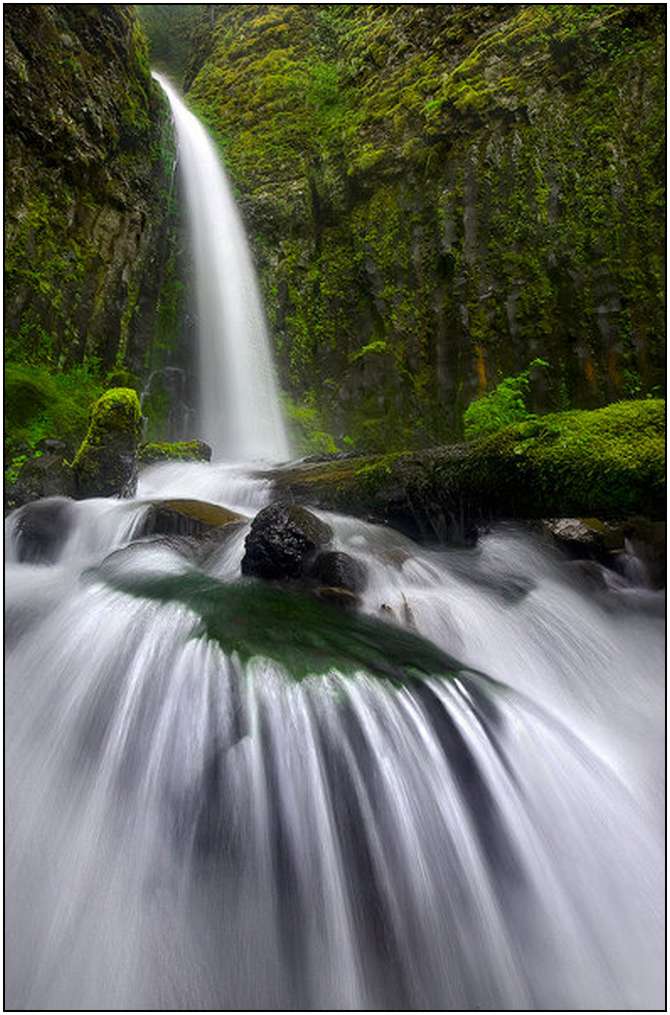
42,528
194,518
335,569
106,463
283,541
47,474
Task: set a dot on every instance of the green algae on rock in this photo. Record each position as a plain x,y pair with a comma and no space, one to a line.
303,634
106,464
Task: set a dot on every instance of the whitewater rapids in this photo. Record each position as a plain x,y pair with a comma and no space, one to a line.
186,831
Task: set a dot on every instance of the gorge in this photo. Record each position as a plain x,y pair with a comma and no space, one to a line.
334,517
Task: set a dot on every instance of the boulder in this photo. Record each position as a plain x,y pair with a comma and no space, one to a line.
193,518
106,463
283,541
334,569
41,530
175,451
585,537
47,474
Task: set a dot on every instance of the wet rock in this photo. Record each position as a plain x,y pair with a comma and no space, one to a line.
176,451
106,463
41,530
593,575
45,475
339,570
338,596
283,541
585,537
194,518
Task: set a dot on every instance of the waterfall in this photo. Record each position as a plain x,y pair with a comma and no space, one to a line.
239,411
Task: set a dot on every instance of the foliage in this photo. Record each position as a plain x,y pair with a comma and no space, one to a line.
307,431
168,28
501,407
40,403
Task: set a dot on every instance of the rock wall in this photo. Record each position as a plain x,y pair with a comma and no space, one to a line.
89,156
439,193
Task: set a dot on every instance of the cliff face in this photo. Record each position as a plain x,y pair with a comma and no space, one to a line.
88,165
437,194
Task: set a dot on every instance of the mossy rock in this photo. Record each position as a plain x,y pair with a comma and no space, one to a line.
606,464
180,517
174,451
303,634
106,463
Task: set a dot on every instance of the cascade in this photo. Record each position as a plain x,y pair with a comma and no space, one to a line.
239,400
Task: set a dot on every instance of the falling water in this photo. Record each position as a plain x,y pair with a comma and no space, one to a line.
240,413
192,830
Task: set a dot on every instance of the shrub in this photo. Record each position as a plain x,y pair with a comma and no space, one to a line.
502,407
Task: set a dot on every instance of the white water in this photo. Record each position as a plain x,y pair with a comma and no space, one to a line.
239,410
184,832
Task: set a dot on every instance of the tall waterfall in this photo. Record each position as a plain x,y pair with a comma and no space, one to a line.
240,414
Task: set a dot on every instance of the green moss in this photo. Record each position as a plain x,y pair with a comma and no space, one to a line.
113,431
175,451
41,403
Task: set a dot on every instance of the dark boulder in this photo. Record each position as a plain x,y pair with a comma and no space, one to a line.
283,541
339,570
41,530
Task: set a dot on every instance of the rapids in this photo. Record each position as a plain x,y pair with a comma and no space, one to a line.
190,831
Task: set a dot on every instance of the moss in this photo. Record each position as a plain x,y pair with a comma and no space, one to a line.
472,187
305,636
41,403
105,461
605,463
176,451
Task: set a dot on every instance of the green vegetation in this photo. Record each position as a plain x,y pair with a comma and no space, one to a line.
603,463
430,214
175,451
501,407
40,403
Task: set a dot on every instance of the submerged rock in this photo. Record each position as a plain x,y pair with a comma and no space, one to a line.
338,570
283,541
106,463
41,530
175,451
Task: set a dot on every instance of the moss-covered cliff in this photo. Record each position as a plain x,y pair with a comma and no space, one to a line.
90,256
439,193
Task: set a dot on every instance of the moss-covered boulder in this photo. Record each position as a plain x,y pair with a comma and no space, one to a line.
106,463
174,451
607,463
